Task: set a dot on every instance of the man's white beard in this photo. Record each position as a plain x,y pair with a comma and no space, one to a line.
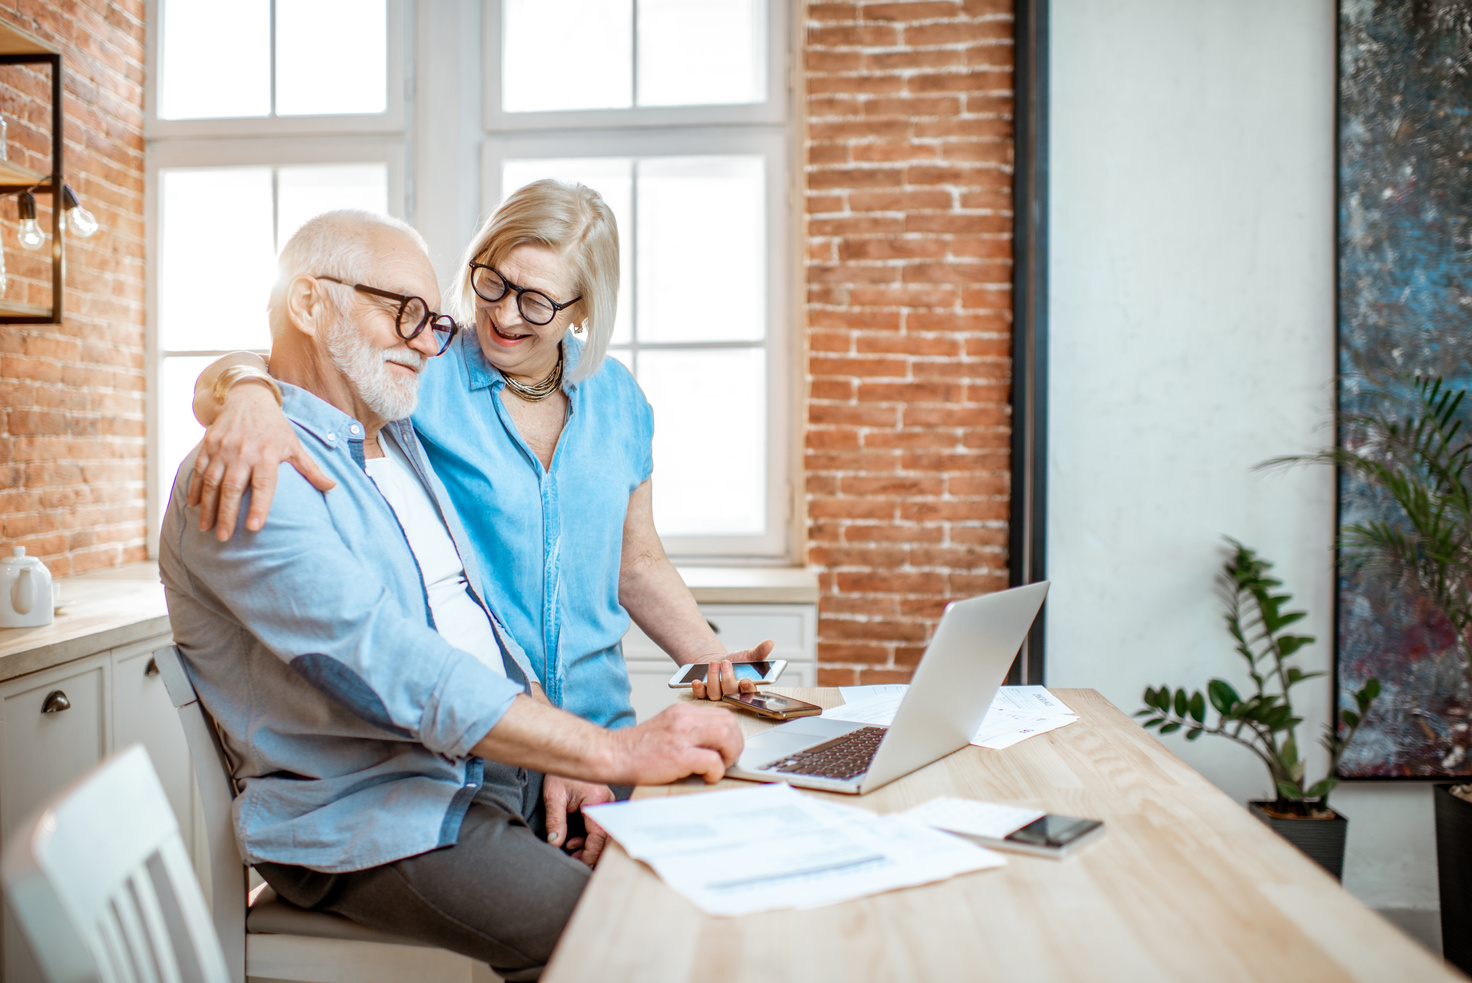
367,371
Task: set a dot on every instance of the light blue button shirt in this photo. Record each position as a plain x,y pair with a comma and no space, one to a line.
349,720
550,540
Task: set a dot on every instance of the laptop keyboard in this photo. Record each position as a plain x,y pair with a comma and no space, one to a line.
843,757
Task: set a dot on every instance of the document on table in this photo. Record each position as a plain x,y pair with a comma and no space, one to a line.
772,847
1016,713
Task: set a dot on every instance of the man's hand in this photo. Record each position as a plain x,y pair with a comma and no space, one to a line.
678,741
682,740
721,677
562,797
243,449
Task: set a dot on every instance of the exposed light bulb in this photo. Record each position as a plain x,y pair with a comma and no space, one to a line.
78,220
30,236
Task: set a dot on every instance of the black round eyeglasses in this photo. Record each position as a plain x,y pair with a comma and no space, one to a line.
535,306
412,311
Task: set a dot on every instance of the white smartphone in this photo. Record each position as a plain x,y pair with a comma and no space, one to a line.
762,672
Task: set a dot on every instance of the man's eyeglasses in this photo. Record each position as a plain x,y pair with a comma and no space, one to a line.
413,317
534,305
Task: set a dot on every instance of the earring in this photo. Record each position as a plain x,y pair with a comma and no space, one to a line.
577,329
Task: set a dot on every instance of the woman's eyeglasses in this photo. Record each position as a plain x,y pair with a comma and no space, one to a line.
413,317
534,305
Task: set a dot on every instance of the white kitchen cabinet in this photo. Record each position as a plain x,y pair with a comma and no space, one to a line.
58,723
53,729
793,627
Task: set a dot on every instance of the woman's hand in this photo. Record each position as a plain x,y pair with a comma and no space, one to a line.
721,678
243,449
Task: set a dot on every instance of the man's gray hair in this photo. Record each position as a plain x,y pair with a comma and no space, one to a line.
336,244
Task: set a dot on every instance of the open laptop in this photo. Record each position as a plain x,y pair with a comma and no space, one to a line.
951,691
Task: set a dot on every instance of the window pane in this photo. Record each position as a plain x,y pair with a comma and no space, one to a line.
331,57
308,190
567,54
702,249
710,438
178,430
699,52
216,257
216,59
611,177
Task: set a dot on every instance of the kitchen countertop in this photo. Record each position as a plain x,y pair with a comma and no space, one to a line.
121,605
100,610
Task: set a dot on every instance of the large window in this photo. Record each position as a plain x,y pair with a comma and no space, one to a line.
675,110
264,113
261,115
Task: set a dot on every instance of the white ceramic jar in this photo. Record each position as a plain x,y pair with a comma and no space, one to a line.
25,591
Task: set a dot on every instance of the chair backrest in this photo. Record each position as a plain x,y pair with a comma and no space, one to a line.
212,772
102,887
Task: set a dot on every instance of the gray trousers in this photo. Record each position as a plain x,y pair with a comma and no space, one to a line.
502,894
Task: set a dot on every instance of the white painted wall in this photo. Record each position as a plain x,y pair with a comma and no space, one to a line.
1191,337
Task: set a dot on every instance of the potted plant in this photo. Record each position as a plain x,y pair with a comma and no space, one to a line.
1264,721
1409,442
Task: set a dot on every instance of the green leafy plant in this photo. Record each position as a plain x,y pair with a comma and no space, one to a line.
1263,721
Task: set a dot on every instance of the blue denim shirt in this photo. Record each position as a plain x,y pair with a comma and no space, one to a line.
349,720
549,539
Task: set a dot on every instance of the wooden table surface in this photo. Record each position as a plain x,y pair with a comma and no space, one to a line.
1184,885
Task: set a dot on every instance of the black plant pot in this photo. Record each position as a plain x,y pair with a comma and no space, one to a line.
1321,840
1454,872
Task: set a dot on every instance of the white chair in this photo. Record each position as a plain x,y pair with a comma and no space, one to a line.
102,887
271,938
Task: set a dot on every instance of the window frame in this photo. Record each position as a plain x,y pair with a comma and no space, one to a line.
773,111
774,148
272,141
391,120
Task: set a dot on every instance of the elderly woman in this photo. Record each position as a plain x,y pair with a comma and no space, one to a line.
543,444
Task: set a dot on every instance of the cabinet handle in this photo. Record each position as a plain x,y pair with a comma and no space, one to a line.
152,668
713,626
56,702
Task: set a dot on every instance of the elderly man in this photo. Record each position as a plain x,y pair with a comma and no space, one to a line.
388,757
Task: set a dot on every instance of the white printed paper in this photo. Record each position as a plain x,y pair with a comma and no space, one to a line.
975,818
771,847
857,694
1016,713
1004,728
1033,699
878,710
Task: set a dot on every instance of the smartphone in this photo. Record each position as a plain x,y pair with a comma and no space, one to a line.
1056,837
760,672
771,705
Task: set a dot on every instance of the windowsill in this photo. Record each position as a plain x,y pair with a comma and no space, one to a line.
751,585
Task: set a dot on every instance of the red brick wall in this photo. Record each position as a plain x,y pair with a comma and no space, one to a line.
72,451
908,199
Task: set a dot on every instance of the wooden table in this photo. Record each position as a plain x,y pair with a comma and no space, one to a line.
1184,885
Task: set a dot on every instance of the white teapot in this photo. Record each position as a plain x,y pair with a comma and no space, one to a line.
25,591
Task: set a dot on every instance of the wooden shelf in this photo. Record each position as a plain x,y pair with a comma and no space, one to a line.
14,41
19,49
10,308
16,178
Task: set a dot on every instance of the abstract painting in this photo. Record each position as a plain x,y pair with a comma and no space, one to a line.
1404,308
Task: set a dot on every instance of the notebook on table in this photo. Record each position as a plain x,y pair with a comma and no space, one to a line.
952,688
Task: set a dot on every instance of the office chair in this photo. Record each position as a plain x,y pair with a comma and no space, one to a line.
101,885
271,938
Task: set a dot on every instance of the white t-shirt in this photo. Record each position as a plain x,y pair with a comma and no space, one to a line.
458,618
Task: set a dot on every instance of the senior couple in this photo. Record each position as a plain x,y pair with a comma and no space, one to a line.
409,639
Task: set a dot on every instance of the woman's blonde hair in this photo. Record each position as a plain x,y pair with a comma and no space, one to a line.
573,220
